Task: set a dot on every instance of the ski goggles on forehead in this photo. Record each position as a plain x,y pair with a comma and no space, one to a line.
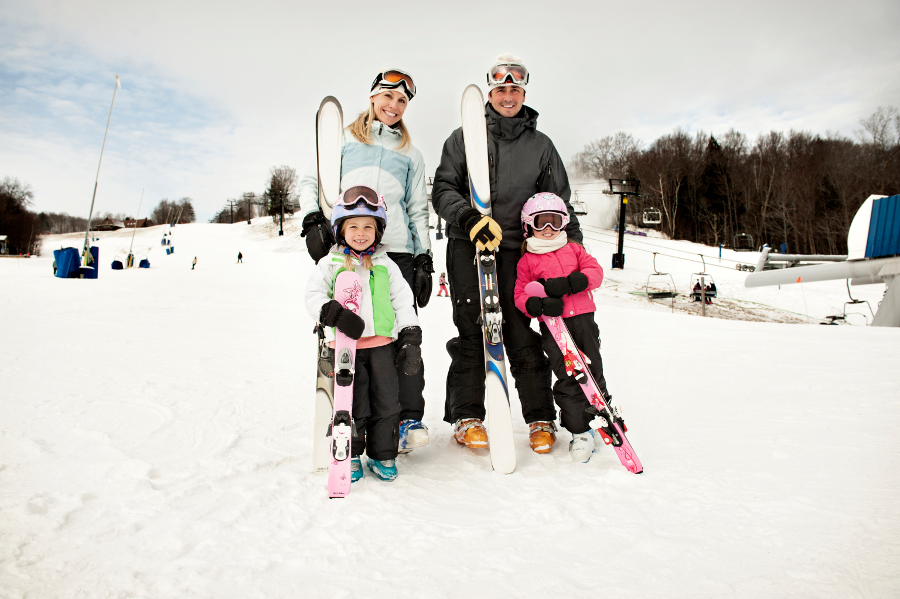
508,73
362,195
394,78
542,220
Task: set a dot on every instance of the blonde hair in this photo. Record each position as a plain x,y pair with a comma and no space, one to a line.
361,129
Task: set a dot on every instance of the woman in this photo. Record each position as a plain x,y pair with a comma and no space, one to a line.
378,153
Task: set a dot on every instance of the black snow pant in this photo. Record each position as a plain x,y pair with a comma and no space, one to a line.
566,391
527,363
412,402
375,404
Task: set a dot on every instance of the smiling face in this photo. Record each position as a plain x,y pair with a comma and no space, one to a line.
547,233
389,106
507,100
359,232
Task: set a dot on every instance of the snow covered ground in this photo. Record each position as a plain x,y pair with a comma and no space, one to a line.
155,442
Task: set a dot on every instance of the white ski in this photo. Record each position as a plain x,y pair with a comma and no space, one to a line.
499,417
329,138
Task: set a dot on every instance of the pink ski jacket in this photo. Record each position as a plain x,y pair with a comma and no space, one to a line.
561,263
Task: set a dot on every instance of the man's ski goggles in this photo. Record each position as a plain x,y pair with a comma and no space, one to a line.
392,79
362,196
503,74
542,220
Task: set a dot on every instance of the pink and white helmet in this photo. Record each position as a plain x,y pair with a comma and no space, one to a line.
541,203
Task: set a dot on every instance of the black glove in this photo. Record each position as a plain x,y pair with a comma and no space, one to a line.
317,231
576,282
409,354
544,306
335,315
422,279
484,231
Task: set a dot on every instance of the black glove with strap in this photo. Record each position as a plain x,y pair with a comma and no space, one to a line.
317,231
422,279
484,231
544,306
335,315
409,352
576,282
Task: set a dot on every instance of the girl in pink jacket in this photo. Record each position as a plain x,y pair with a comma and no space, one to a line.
568,274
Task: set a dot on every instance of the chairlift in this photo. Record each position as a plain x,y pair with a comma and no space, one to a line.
578,206
696,286
651,216
842,318
660,288
743,243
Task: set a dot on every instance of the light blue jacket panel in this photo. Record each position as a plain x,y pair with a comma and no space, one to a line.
320,290
396,175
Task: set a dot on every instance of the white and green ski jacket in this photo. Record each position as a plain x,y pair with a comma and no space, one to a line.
387,299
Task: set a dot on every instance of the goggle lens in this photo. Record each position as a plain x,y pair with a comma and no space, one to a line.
516,73
361,194
554,220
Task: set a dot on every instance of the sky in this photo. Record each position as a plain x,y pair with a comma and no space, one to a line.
215,94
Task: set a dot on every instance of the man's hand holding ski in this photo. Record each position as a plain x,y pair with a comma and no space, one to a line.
483,230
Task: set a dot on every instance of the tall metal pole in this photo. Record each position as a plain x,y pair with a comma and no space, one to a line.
618,260
281,230
130,256
86,259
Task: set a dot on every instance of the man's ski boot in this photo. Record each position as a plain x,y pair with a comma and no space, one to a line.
542,436
383,469
471,433
581,447
412,434
356,469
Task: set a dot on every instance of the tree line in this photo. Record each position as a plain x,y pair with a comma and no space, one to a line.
281,190
797,188
23,227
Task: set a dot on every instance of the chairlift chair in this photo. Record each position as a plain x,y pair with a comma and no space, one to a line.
578,206
743,243
658,287
708,280
651,216
842,318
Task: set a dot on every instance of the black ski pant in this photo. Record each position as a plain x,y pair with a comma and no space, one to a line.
375,404
412,402
527,363
566,391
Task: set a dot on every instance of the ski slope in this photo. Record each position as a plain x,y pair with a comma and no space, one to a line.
155,442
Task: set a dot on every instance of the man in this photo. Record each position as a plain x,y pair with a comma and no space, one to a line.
523,162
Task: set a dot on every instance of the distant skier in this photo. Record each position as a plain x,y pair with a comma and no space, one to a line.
240,258
358,221
378,151
568,274
442,282
523,162
194,265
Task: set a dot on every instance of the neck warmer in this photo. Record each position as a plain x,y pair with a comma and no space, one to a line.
544,246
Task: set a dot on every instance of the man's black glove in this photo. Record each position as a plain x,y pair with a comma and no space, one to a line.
335,315
576,282
317,231
422,279
484,231
544,306
409,353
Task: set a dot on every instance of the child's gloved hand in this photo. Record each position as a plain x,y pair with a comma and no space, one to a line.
544,306
576,282
335,315
409,354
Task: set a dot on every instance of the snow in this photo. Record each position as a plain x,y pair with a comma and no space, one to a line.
155,442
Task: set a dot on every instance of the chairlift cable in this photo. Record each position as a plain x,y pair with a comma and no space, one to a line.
669,255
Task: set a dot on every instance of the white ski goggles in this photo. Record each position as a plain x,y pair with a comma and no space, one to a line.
542,220
394,78
507,74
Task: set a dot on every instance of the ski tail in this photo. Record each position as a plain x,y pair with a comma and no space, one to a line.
329,143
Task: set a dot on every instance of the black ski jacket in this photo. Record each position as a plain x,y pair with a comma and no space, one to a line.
523,162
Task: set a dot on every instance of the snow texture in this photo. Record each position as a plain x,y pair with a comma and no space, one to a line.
155,442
